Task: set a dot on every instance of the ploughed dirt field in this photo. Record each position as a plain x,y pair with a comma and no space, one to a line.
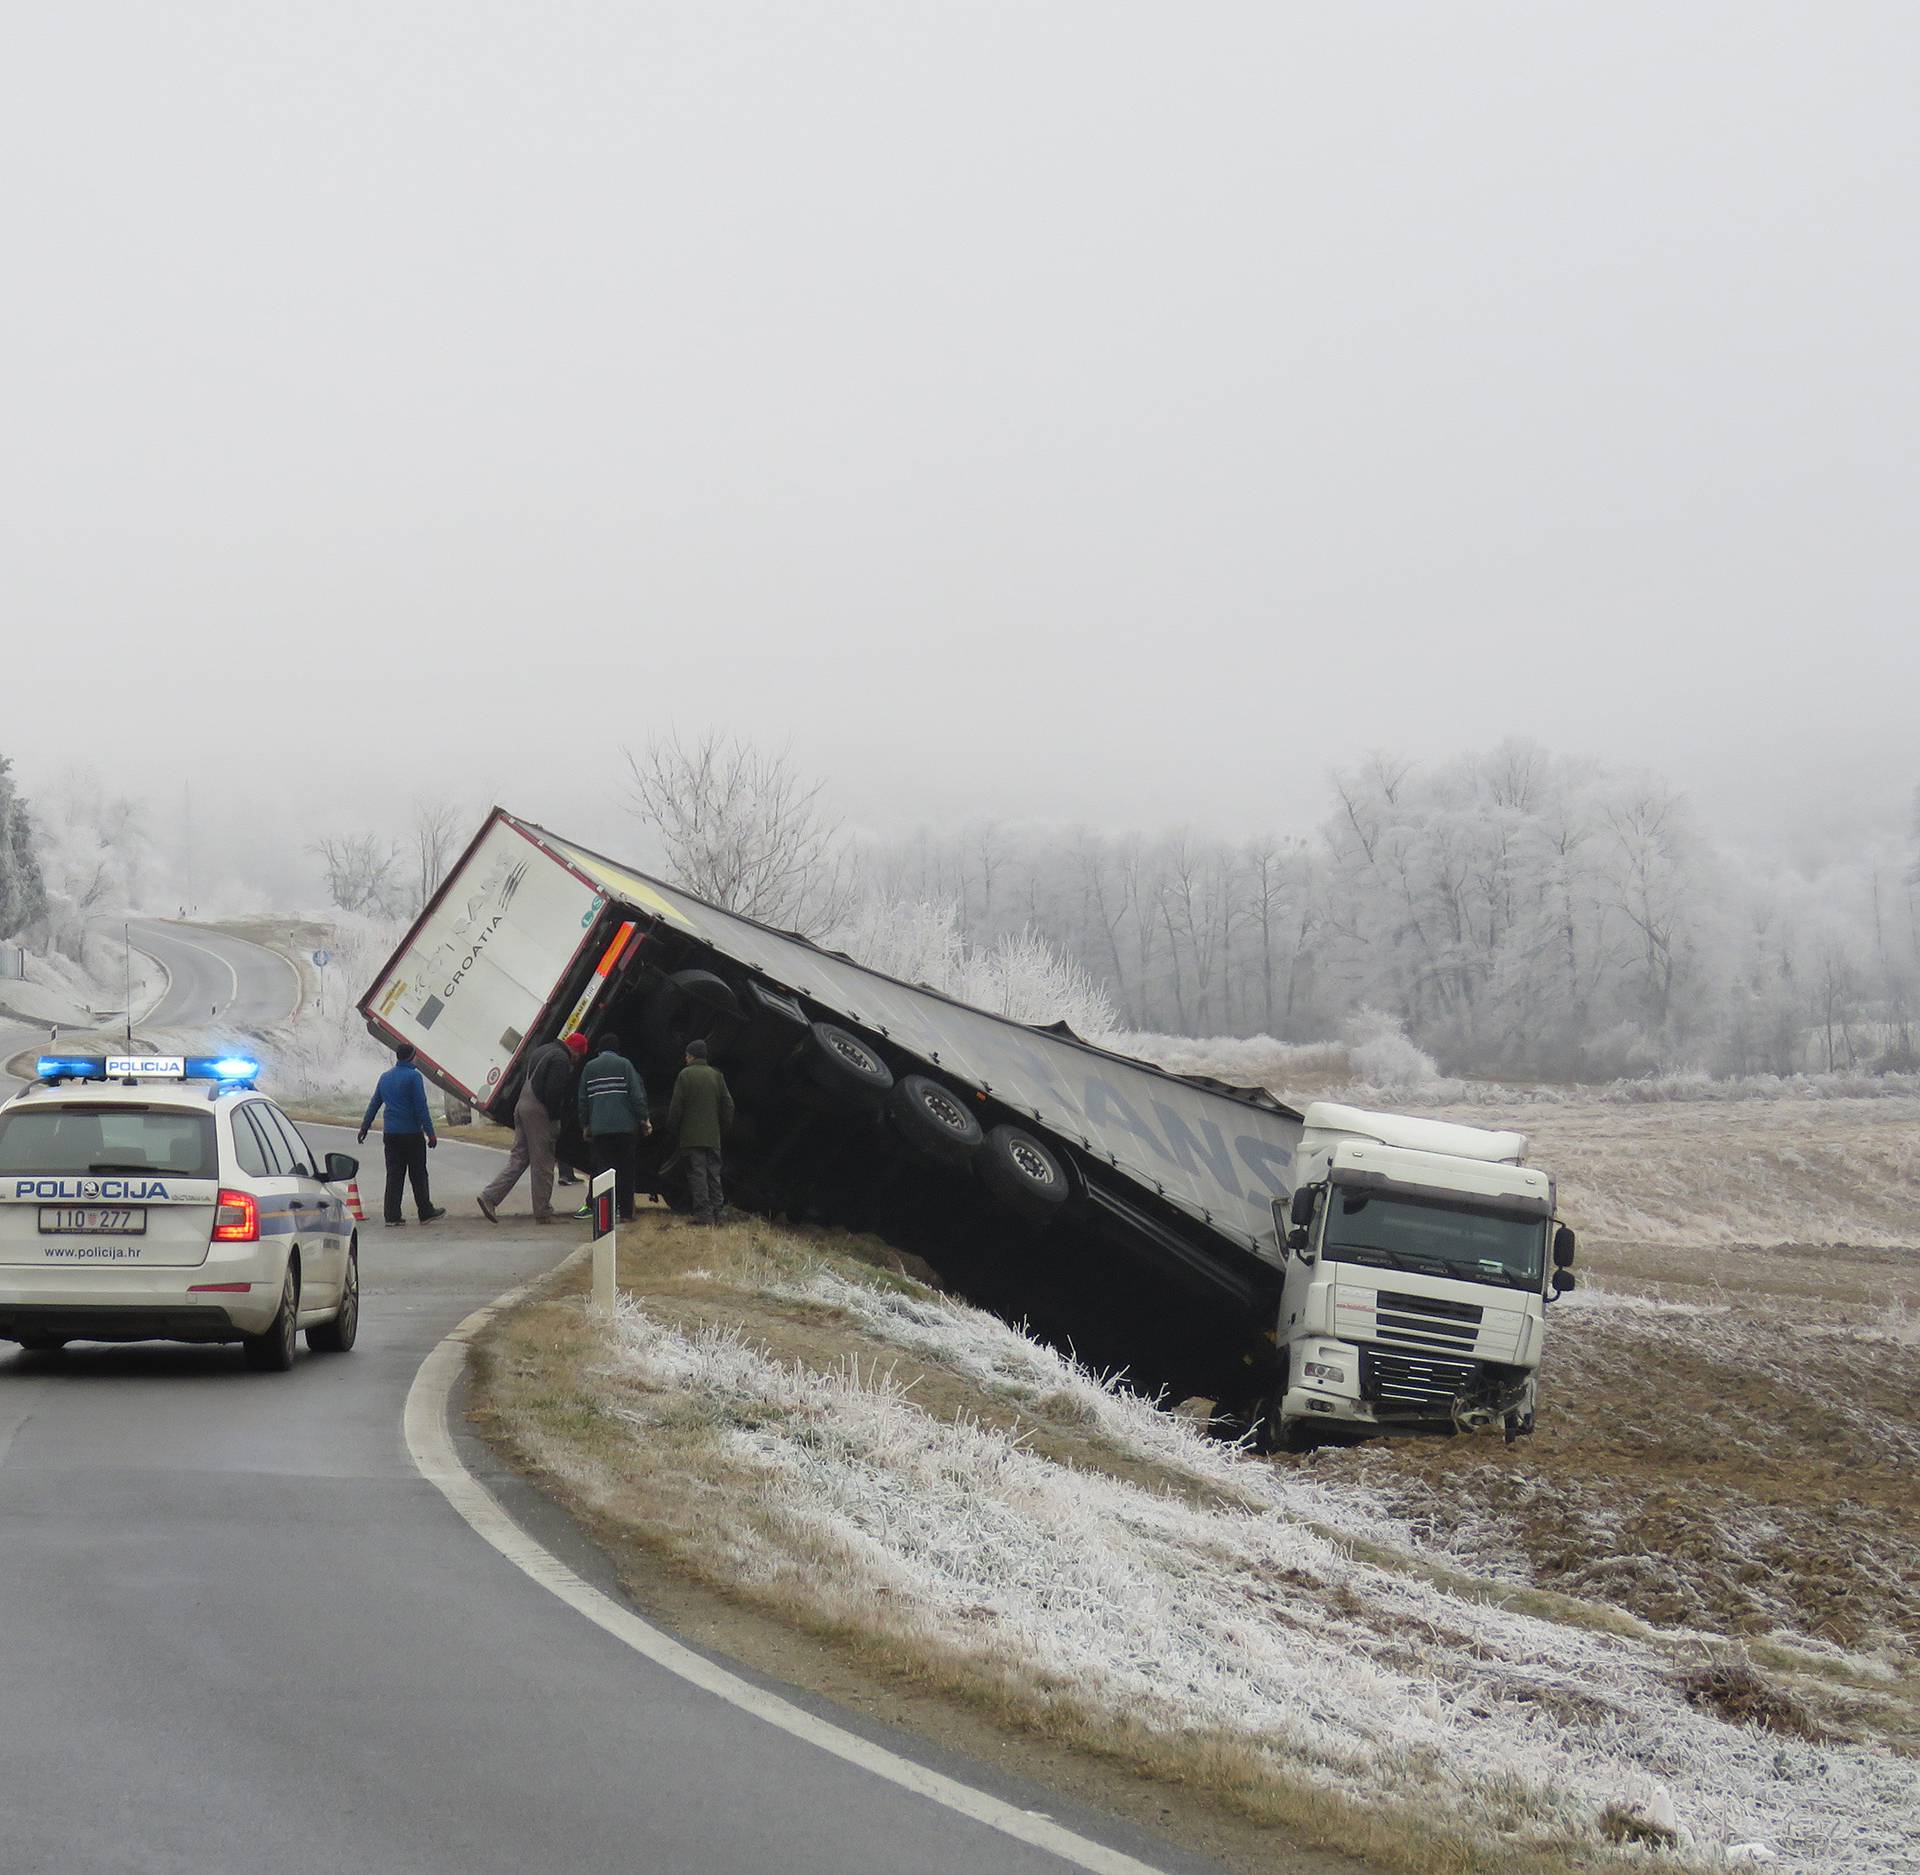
1729,1432
1681,1621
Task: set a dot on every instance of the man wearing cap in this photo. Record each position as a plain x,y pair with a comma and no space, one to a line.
543,1097
613,1116
407,1134
699,1114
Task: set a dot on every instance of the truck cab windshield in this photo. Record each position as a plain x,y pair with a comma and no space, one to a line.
1429,1234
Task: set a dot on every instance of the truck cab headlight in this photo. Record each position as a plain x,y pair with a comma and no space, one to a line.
1323,1370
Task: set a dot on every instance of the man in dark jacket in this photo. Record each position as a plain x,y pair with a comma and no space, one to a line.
407,1133
613,1115
700,1114
543,1098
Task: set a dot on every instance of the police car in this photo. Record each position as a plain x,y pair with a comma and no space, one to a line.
163,1198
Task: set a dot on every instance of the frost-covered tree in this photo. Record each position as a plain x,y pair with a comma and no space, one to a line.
22,893
744,829
365,873
95,859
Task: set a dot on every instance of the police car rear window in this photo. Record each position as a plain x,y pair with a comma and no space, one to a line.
72,1140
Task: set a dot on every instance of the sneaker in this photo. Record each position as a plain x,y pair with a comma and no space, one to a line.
427,1217
487,1211
394,1223
586,1210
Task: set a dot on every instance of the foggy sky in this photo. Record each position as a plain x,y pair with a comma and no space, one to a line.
1105,412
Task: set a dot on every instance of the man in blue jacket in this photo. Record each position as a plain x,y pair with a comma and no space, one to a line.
408,1133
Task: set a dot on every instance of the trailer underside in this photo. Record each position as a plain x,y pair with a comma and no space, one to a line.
838,1125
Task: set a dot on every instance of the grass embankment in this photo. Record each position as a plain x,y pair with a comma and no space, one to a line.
1444,1657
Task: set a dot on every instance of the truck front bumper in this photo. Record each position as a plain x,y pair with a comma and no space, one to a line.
1498,1399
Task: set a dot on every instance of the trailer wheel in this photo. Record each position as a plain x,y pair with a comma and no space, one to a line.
1023,1173
691,1005
841,1064
934,1120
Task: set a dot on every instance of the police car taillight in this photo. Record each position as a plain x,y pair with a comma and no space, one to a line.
236,1218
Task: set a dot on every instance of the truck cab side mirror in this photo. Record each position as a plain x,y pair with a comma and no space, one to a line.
1300,1211
1297,1237
1563,1250
1562,1281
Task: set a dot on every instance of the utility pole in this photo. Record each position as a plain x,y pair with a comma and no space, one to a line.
186,829
126,932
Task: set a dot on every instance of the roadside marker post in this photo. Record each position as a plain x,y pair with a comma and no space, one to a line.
600,1197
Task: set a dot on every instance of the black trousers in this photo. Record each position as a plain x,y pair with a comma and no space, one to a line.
406,1159
616,1152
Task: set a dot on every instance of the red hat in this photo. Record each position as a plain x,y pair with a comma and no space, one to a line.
577,1042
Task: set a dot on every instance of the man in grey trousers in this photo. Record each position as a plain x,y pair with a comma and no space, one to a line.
536,1121
700,1113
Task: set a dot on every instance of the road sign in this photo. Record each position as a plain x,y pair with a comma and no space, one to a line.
323,958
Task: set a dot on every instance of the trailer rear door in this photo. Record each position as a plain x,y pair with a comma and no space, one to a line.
487,956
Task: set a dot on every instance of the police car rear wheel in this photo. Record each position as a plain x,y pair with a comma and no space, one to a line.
337,1336
272,1353
43,1344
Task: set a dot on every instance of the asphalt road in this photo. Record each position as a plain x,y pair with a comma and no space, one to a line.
242,1634
216,978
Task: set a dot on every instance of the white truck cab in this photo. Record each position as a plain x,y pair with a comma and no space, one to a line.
1420,1258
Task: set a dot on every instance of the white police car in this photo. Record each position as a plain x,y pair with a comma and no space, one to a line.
163,1198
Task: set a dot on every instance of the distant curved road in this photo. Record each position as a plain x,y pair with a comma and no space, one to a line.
216,978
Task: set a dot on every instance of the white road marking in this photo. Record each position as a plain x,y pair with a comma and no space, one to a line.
438,1461
160,964
233,976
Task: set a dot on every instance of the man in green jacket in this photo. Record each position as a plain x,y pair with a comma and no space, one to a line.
700,1114
613,1115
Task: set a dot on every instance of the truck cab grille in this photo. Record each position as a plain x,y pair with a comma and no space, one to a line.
1426,1322
1411,1380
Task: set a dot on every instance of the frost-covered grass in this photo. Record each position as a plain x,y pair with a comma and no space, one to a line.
1376,1066
1287,1612
79,992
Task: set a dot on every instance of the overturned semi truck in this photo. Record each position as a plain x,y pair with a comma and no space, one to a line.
1145,1220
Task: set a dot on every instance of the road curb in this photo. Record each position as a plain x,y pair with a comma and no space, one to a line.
436,1457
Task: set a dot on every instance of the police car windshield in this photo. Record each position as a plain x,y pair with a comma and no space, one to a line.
72,1140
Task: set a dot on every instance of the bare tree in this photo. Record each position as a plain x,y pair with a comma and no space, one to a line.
363,873
436,832
743,829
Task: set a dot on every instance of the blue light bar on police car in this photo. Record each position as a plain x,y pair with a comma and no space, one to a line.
236,1069
222,1068
71,1068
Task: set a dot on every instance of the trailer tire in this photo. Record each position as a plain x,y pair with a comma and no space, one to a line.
1023,1173
839,1063
691,1006
934,1120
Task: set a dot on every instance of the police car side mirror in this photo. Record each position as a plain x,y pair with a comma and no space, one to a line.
341,1166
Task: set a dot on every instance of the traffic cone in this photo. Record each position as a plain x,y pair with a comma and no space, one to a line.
353,1202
